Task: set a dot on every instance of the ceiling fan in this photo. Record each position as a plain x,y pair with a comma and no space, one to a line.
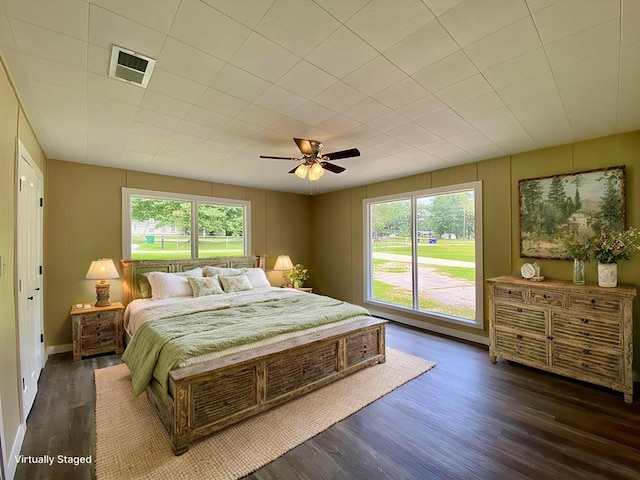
314,161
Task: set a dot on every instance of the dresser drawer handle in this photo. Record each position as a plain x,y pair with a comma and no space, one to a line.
519,310
584,320
585,365
519,337
509,292
544,295
550,337
586,351
586,334
593,300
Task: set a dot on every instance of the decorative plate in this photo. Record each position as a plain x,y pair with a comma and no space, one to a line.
528,271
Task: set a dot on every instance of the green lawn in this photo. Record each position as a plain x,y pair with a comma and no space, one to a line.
179,246
448,249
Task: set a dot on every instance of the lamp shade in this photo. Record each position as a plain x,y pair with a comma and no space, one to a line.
316,171
283,263
102,269
301,171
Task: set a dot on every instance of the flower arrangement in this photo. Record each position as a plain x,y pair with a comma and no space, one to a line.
613,247
576,246
298,275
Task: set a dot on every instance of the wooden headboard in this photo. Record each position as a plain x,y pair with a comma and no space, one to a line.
133,269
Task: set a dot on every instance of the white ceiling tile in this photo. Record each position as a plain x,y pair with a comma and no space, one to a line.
142,144
38,68
156,14
69,17
544,118
509,135
311,113
535,5
338,124
279,100
112,107
180,140
157,119
375,76
422,108
342,9
161,134
220,102
244,129
464,90
207,118
519,69
247,12
107,29
631,27
489,117
191,128
472,141
587,43
444,123
471,20
207,29
288,127
175,86
188,62
446,72
58,94
421,48
402,93
389,122
443,150
479,106
533,87
438,7
46,43
339,97
571,16
342,53
108,126
387,144
239,83
264,58
297,25
98,59
507,43
166,105
367,110
306,80
413,134
259,116
629,98
114,89
384,23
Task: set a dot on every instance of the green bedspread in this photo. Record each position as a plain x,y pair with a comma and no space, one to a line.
173,334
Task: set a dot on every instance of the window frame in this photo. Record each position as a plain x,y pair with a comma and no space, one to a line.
413,197
195,200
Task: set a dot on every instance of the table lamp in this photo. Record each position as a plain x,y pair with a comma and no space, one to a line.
283,264
102,270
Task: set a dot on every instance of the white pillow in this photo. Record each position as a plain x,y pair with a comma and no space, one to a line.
210,271
194,272
257,277
235,283
167,285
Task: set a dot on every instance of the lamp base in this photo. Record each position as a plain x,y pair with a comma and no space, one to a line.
102,294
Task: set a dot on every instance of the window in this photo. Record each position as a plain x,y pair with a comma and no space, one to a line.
158,225
424,252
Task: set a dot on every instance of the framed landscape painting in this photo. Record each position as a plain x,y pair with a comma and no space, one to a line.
579,204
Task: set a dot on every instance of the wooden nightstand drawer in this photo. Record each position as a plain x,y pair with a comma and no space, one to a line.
97,330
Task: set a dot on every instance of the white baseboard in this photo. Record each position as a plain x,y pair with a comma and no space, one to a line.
472,337
12,463
53,349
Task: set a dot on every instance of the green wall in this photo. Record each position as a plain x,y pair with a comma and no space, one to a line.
338,232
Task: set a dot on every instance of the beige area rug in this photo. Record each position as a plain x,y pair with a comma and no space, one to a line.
133,444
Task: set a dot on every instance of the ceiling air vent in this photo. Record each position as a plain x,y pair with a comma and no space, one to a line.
131,66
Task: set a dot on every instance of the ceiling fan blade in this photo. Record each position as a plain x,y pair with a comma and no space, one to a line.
308,147
352,152
293,170
280,158
332,168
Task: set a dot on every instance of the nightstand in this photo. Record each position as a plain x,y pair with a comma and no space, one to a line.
97,329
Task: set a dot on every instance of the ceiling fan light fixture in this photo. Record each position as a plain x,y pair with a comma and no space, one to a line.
316,171
301,171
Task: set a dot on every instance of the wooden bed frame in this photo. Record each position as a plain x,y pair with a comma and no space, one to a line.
211,395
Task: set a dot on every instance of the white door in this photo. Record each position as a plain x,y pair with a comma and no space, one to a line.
29,250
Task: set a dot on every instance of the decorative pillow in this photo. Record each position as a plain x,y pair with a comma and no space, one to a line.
257,277
194,272
205,286
143,286
235,283
210,271
167,285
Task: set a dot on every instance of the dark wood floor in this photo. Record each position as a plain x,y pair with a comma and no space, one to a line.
465,419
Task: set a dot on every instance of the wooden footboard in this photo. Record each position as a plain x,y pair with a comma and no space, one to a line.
212,395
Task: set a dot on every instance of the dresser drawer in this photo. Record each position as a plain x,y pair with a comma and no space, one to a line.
594,303
590,362
586,329
521,347
507,292
546,297
101,340
97,328
520,318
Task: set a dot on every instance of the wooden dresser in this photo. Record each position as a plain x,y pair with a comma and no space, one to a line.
581,331
97,330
